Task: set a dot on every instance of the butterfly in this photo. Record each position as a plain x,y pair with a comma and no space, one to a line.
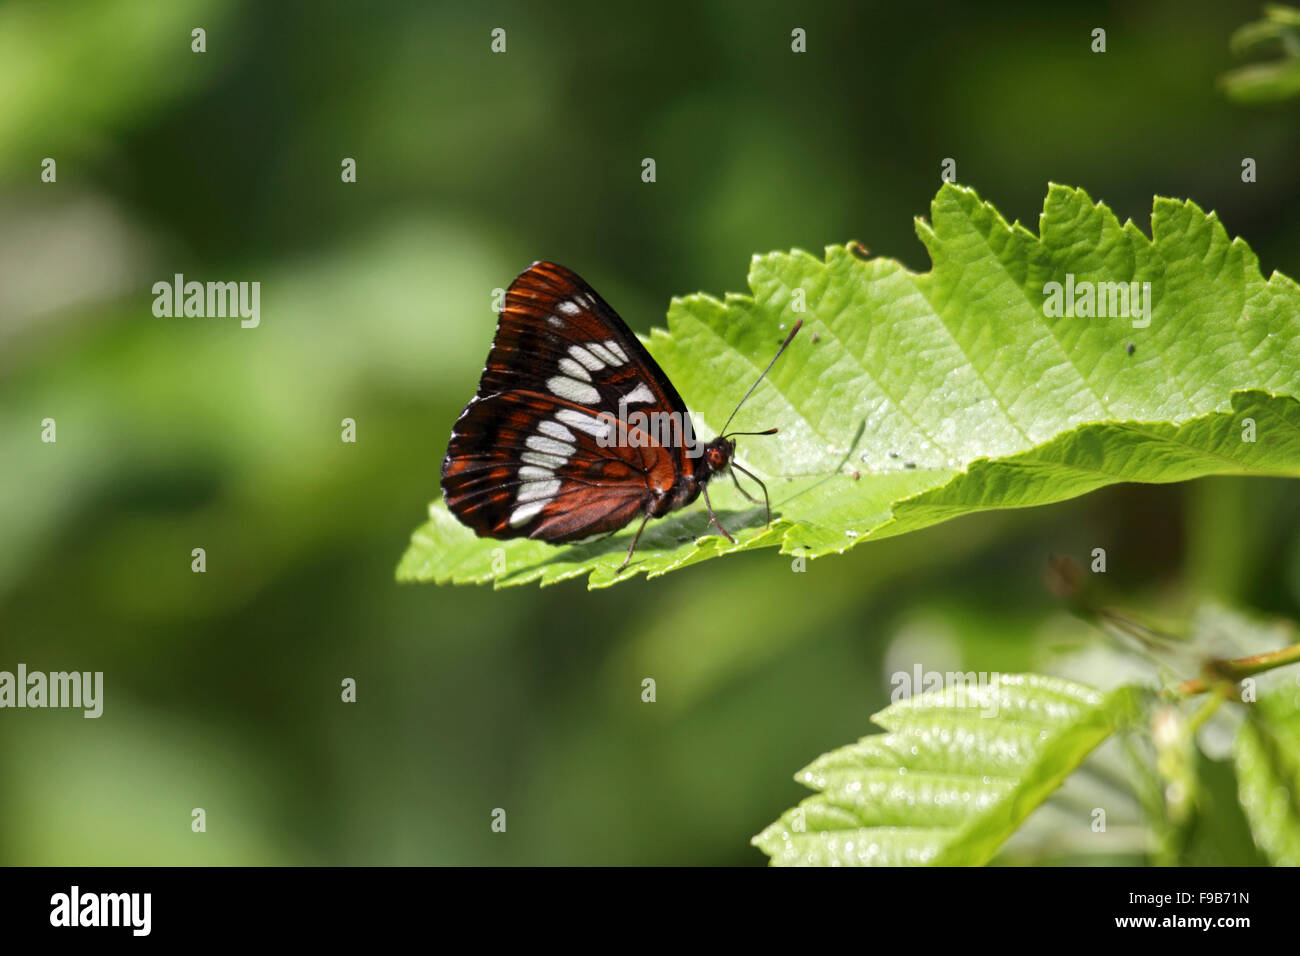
575,430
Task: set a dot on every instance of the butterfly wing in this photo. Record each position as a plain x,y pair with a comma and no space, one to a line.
555,326
524,464
544,450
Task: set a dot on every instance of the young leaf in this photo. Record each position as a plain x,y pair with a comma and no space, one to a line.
956,774
1267,753
912,398
1270,80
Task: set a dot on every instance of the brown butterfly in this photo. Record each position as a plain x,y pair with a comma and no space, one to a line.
575,430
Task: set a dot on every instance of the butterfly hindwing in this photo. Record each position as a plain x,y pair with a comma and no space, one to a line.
522,464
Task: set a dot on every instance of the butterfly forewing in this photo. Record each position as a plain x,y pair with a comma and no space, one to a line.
556,332
531,455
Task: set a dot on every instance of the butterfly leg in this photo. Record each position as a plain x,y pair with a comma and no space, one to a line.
635,538
713,519
736,482
767,502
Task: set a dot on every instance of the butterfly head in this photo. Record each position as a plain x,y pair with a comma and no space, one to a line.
718,453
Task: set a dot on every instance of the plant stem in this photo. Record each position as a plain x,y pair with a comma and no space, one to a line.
1206,710
1218,671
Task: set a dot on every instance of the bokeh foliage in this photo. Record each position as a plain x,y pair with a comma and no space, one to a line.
222,689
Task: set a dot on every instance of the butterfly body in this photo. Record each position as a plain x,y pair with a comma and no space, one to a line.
575,431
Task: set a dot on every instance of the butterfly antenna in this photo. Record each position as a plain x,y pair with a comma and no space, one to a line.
788,339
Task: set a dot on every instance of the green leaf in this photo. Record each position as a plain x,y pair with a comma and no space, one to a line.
1267,754
1219,833
912,398
951,780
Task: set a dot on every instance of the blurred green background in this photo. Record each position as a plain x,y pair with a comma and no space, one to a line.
222,689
